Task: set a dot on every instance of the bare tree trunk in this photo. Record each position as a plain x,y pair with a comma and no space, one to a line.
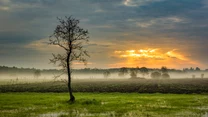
72,98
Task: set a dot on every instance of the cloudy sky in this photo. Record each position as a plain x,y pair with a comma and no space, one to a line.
123,33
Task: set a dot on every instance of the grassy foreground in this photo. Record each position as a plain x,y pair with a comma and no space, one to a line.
103,105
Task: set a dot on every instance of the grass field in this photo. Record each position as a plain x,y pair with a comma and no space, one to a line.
103,105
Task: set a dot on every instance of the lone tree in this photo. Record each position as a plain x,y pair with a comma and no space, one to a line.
70,37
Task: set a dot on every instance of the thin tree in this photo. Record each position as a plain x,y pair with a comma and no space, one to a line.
70,37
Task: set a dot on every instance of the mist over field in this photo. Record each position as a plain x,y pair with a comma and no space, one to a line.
123,80
29,76
94,76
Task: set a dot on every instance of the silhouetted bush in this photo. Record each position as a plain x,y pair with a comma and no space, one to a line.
155,75
106,74
165,75
133,73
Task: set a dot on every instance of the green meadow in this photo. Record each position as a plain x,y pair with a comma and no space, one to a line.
103,105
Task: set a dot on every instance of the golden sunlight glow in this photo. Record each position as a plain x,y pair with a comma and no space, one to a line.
175,55
148,53
152,58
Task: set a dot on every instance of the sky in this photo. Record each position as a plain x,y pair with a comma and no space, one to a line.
123,33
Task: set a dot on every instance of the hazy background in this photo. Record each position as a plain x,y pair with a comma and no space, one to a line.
13,75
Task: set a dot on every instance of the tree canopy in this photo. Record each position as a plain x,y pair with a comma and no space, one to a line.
71,38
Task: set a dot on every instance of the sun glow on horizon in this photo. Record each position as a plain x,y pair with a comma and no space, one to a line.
142,53
152,58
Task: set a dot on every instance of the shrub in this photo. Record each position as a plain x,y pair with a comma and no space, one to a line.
106,74
165,75
133,73
155,75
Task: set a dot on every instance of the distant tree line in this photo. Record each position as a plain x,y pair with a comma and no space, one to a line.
191,69
121,71
15,70
143,71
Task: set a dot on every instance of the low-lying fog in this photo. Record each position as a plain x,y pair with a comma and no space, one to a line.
18,78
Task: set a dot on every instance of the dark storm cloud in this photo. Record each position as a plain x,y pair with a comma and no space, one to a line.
169,8
17,37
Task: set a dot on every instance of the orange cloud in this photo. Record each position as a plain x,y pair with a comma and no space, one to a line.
173,54
142,53
152,58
